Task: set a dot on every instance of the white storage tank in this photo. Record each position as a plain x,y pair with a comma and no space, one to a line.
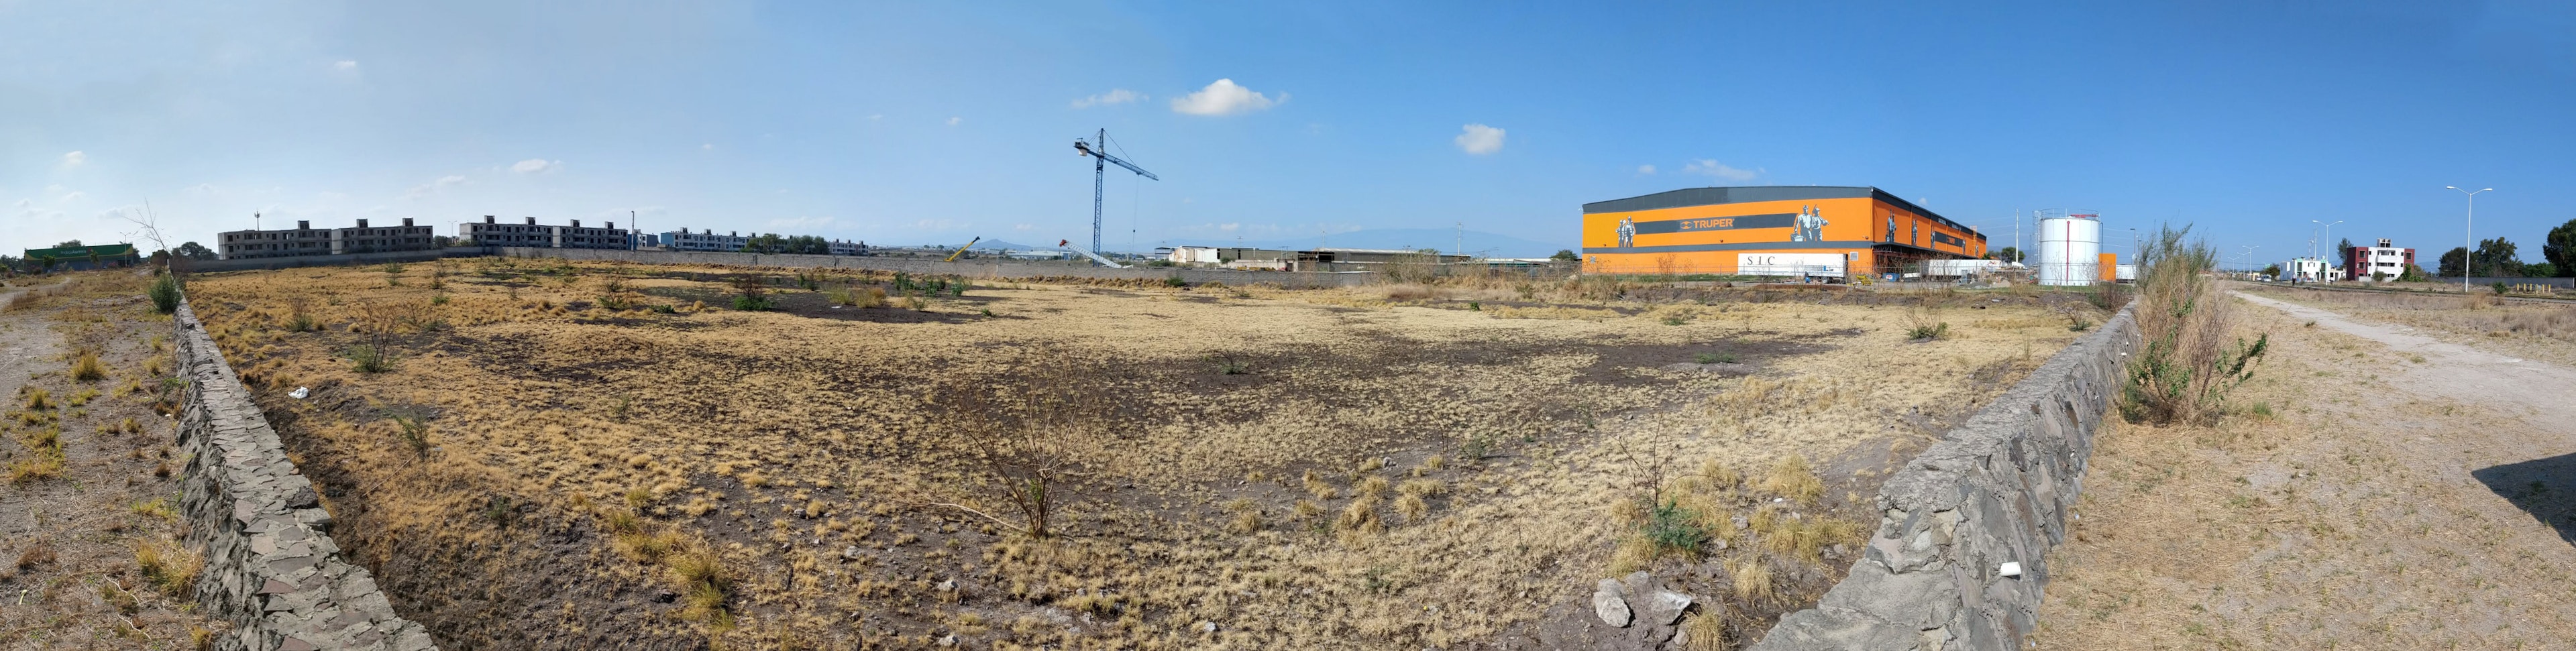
2070,250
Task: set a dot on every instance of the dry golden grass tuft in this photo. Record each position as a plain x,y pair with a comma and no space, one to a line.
171,567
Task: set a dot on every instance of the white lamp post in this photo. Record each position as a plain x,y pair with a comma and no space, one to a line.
2468,247
2321,239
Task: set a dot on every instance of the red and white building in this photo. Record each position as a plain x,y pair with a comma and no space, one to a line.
2382,259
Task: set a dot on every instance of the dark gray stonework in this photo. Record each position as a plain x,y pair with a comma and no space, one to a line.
271,569
1996,490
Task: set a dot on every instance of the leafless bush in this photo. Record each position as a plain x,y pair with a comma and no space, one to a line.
1028,441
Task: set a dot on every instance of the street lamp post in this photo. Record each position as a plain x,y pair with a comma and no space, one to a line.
2249,258
2469,243
2328,234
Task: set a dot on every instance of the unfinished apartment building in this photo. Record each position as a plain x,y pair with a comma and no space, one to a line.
491,232
304,239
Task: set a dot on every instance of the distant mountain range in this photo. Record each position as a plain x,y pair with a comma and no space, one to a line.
1447,241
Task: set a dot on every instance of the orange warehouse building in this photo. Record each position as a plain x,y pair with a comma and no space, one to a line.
1809,231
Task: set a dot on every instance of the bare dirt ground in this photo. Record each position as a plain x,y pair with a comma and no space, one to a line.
2377,488
1392,467
90,482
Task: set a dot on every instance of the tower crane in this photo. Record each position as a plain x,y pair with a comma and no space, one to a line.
1098,150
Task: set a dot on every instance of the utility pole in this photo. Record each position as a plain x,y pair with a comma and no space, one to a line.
2469,247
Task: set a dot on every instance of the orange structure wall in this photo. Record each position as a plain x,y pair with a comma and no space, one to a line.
1710,238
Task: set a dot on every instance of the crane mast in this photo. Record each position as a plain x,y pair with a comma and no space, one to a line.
1098,150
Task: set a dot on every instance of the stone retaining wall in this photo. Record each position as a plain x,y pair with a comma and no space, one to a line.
1996,490
967,268
271,569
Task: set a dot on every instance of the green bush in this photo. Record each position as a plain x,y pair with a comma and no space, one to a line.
753,303
371,359
165,294
2192,357
1673,528
1175,280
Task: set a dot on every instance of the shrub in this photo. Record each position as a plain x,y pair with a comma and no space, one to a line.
165,293
414,432
750,296
1715,358
1674,529
2499,287
1928,332
1175,280
370,359
2191,359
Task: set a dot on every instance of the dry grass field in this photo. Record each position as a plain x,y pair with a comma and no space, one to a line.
544,455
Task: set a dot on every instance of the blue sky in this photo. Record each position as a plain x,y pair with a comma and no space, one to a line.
906,123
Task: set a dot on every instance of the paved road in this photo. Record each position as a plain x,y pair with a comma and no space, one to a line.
2546,392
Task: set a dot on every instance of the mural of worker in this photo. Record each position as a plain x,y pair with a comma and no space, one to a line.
1891,228
1627,232
1809,227
1914,233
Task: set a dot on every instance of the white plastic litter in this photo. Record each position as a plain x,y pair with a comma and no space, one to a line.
299,393
2010,569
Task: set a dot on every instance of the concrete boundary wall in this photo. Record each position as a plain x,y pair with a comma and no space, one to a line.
1995,490
966,268
289,262
271,569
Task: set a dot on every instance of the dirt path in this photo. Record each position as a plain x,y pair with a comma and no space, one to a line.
2463,373
73,535
2375,488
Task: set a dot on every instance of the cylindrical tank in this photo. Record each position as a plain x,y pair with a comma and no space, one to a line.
2070,250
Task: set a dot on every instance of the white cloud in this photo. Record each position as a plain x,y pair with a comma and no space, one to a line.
1648,170
954,120
535,165
1024,227
345,65
1719,171
1224,98
74,196
1230,226
875,117
433,187
1113,97
28,213
709,146
1479,139
935,224
204,188
75,159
